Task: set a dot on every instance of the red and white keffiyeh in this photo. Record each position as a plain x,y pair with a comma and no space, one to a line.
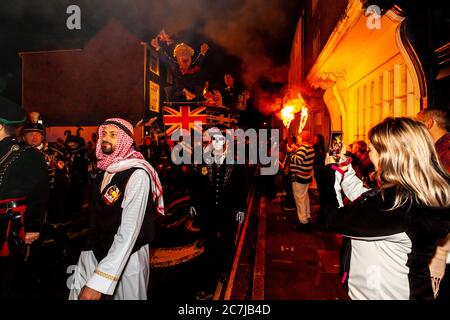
125,157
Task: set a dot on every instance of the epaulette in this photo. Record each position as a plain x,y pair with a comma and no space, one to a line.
9,158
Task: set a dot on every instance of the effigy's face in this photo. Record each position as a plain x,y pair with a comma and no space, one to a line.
184,58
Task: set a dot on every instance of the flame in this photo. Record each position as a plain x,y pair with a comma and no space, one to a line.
303,119
291,108
287,115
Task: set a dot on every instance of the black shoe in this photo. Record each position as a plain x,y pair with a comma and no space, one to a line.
302,227
202,295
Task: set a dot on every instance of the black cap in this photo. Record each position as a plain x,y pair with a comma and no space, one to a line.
34,127
10,112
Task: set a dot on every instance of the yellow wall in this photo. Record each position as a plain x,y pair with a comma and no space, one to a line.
387,91
366,74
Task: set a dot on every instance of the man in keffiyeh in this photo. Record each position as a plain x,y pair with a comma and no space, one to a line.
125,197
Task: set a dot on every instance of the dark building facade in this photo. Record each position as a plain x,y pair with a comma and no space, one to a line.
115,74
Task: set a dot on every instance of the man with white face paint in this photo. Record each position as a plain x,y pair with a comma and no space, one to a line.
218,199
218,143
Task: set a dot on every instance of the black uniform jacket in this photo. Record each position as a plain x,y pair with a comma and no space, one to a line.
26,177
218,193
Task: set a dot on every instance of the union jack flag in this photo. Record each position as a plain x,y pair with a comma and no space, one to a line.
184,117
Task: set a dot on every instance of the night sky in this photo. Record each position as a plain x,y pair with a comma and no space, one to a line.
249,37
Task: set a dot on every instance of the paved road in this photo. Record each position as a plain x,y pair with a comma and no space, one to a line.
300,265
297,265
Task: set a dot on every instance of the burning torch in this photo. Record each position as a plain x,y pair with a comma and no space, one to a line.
291,108
303,119
287,115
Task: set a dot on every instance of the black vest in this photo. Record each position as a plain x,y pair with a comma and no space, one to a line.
105,219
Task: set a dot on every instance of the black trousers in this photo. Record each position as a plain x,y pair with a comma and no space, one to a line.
318,175
218,258
290,200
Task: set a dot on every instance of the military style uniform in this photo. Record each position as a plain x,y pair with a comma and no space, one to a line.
59,179
58,216
23,199
23,176
218,193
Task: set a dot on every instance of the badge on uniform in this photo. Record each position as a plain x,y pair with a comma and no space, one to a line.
204,171
111,195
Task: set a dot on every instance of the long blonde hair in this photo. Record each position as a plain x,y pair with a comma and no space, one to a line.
408,161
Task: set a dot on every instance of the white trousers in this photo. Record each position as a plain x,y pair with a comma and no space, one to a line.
302,201
132,285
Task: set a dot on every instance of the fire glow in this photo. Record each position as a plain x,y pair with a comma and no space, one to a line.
291,108
303,119
287,115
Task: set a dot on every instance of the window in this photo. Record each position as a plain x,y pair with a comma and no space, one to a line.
389,93
154,62
154,96
372,114
378,99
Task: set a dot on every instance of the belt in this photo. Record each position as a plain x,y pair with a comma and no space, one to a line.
8,204
14,210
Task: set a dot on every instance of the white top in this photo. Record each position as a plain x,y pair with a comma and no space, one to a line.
378,268
134,205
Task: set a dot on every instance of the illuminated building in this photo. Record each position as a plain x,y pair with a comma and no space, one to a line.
356,63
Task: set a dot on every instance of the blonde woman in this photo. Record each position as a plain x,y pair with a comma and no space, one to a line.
393,229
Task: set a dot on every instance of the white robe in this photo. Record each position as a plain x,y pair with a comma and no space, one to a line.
120,273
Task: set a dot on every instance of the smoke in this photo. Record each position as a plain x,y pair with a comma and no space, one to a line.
258,32
246,31
255,31
266,100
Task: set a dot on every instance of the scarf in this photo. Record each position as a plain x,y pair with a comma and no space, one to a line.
125,157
